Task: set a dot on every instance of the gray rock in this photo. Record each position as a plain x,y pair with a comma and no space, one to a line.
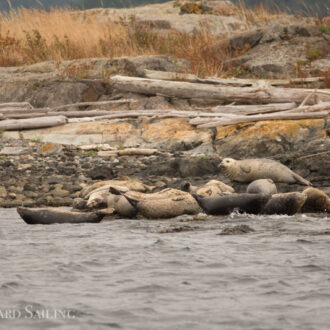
237,230
14,151
3,192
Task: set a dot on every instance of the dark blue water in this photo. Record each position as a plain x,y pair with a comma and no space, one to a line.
134,274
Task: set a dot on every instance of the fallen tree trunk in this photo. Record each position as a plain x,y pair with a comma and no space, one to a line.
234,82
230,94
137,151
254,109
161,113
312,108
23,111
40,122
275,116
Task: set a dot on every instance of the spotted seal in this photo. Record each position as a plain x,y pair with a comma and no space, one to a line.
213,188
248,203
248,170
285,203
317,201
49,215
167,203
262,186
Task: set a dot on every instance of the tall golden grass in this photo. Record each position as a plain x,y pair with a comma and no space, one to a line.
30,36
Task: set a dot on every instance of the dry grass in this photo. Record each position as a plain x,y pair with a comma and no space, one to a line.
30,36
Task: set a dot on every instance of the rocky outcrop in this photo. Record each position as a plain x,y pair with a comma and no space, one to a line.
50,84
282,51
167,17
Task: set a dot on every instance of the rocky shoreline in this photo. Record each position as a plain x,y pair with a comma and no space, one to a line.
47,174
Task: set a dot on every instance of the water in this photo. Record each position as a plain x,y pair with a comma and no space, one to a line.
126,274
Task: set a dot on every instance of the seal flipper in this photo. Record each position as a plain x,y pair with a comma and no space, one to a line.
199,199
301,180
115,191
132,201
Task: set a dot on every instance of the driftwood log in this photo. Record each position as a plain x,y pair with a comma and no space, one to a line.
23,105
254,109
234,82
40,122
128,152
188,90
245,119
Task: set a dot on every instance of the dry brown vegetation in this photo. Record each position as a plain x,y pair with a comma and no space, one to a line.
30,36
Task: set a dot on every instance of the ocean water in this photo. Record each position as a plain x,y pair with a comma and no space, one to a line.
170,274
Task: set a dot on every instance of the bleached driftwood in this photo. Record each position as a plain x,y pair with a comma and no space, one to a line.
17,110
104,147
40,122
128,152
323,106
161,113
254,109
191,90
23,105
137,151
81,120
274,116
84,104
234,82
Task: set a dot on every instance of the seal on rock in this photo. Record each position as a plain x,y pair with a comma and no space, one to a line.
104,199
317,201
213,188
287,203
49,215
248,203
262,186
130,184
248,170
168,203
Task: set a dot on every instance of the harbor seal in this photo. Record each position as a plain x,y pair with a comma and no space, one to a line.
130,184
163,208
168,203
248,203
262,186
103,199
165,193
49,215
287,203
317,201
213,188
248,170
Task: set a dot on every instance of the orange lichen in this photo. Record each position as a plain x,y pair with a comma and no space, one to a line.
104,128
171,128
273,129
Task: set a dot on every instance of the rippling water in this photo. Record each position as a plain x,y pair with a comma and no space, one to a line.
129,274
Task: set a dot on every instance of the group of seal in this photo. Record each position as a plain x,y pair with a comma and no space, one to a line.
131,199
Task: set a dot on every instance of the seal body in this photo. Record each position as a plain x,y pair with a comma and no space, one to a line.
287,203
317,201
47,216
248,170
103,199
167,203
130,184
213,188
248,203
262,186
